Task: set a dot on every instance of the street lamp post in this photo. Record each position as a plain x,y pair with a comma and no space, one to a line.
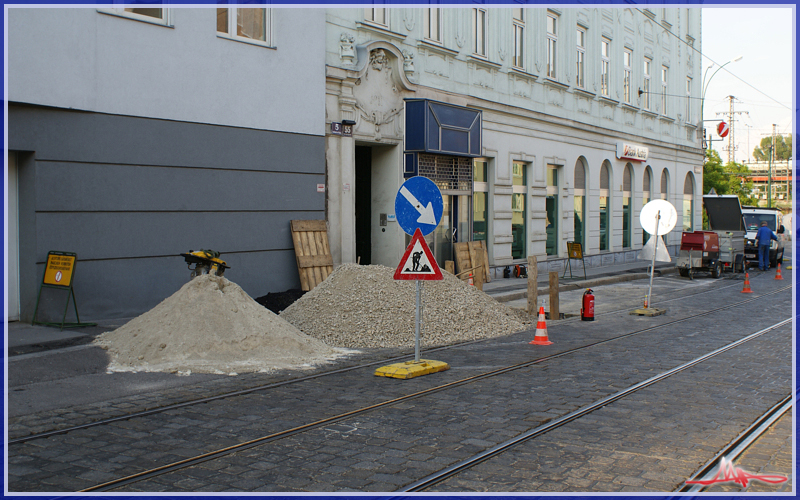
705,88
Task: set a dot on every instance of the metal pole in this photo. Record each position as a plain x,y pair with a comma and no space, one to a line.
653,265
416,327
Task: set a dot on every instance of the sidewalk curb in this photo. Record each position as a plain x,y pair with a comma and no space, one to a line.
594,282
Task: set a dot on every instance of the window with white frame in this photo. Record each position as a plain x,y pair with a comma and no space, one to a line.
646,83
605,65
552,45
627,56
519,37
664,74
433,24
146,14
245,24
580,44
688,99
376,15
479,31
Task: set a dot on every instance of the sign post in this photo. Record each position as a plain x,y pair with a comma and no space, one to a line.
58,273
418,208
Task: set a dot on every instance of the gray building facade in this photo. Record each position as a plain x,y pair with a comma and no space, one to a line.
135,135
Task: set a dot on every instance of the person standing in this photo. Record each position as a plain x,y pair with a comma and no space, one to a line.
764,237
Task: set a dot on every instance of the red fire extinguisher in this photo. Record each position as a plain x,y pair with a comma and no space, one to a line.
587,306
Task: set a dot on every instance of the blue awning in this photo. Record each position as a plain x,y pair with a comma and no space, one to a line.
441,128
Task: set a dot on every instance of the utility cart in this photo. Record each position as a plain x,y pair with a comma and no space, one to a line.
720,249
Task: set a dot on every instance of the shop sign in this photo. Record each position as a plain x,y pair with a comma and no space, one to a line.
634,152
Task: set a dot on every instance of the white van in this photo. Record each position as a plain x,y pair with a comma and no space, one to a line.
753,216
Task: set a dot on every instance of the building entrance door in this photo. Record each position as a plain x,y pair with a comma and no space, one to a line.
454,227
13,239
363,201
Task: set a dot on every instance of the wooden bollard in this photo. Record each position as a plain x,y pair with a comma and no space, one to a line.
478,273
533,292
554,313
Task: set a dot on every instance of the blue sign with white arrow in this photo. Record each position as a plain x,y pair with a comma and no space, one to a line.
418,205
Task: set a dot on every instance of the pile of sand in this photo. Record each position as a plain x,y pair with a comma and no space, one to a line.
365,307
211,325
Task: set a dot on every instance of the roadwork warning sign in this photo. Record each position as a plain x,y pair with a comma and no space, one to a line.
417,262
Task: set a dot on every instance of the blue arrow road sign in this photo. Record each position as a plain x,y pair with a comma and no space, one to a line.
418,205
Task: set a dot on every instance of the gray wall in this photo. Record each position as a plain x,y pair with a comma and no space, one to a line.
83,58
129,194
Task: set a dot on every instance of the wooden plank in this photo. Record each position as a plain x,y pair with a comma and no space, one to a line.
533,292
554,312
309,225
315,250
307,252
478,278
298,253
486,262
312,251
449,266
306,261
462,257
473,258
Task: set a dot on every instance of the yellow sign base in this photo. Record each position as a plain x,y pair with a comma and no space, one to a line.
411,369
650,311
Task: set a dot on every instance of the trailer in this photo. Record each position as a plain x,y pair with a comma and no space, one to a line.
720,249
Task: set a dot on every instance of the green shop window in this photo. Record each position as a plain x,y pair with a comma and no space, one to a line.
551,207
480,201
518,217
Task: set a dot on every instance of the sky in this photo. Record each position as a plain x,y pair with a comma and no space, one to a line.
762,81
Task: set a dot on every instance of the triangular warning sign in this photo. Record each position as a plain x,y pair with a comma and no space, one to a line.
418,262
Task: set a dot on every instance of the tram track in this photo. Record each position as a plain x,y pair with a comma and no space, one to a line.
241,392
220,453
501,448
737,446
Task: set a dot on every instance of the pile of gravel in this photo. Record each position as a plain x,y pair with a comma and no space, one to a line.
364,307
211,325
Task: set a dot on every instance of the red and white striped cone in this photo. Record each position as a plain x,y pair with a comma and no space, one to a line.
471,282
541,330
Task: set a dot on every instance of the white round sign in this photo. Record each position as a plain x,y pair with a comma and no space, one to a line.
669,216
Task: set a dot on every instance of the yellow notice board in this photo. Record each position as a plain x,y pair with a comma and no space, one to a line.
575,250
58,271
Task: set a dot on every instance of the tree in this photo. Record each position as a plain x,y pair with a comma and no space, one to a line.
731,178
783,148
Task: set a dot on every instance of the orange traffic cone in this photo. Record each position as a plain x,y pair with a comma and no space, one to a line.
778,273
747,283
541,330
470,281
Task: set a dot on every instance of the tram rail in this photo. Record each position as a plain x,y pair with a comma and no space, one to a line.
274,385
427,482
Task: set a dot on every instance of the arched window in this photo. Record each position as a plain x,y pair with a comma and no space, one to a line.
688,203
664,184
580,201
647,195
605,207
627,206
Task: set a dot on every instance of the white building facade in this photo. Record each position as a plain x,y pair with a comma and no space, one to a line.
584,115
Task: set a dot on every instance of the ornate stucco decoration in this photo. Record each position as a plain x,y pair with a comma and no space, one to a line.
408,19
379,89
347,51
408,62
